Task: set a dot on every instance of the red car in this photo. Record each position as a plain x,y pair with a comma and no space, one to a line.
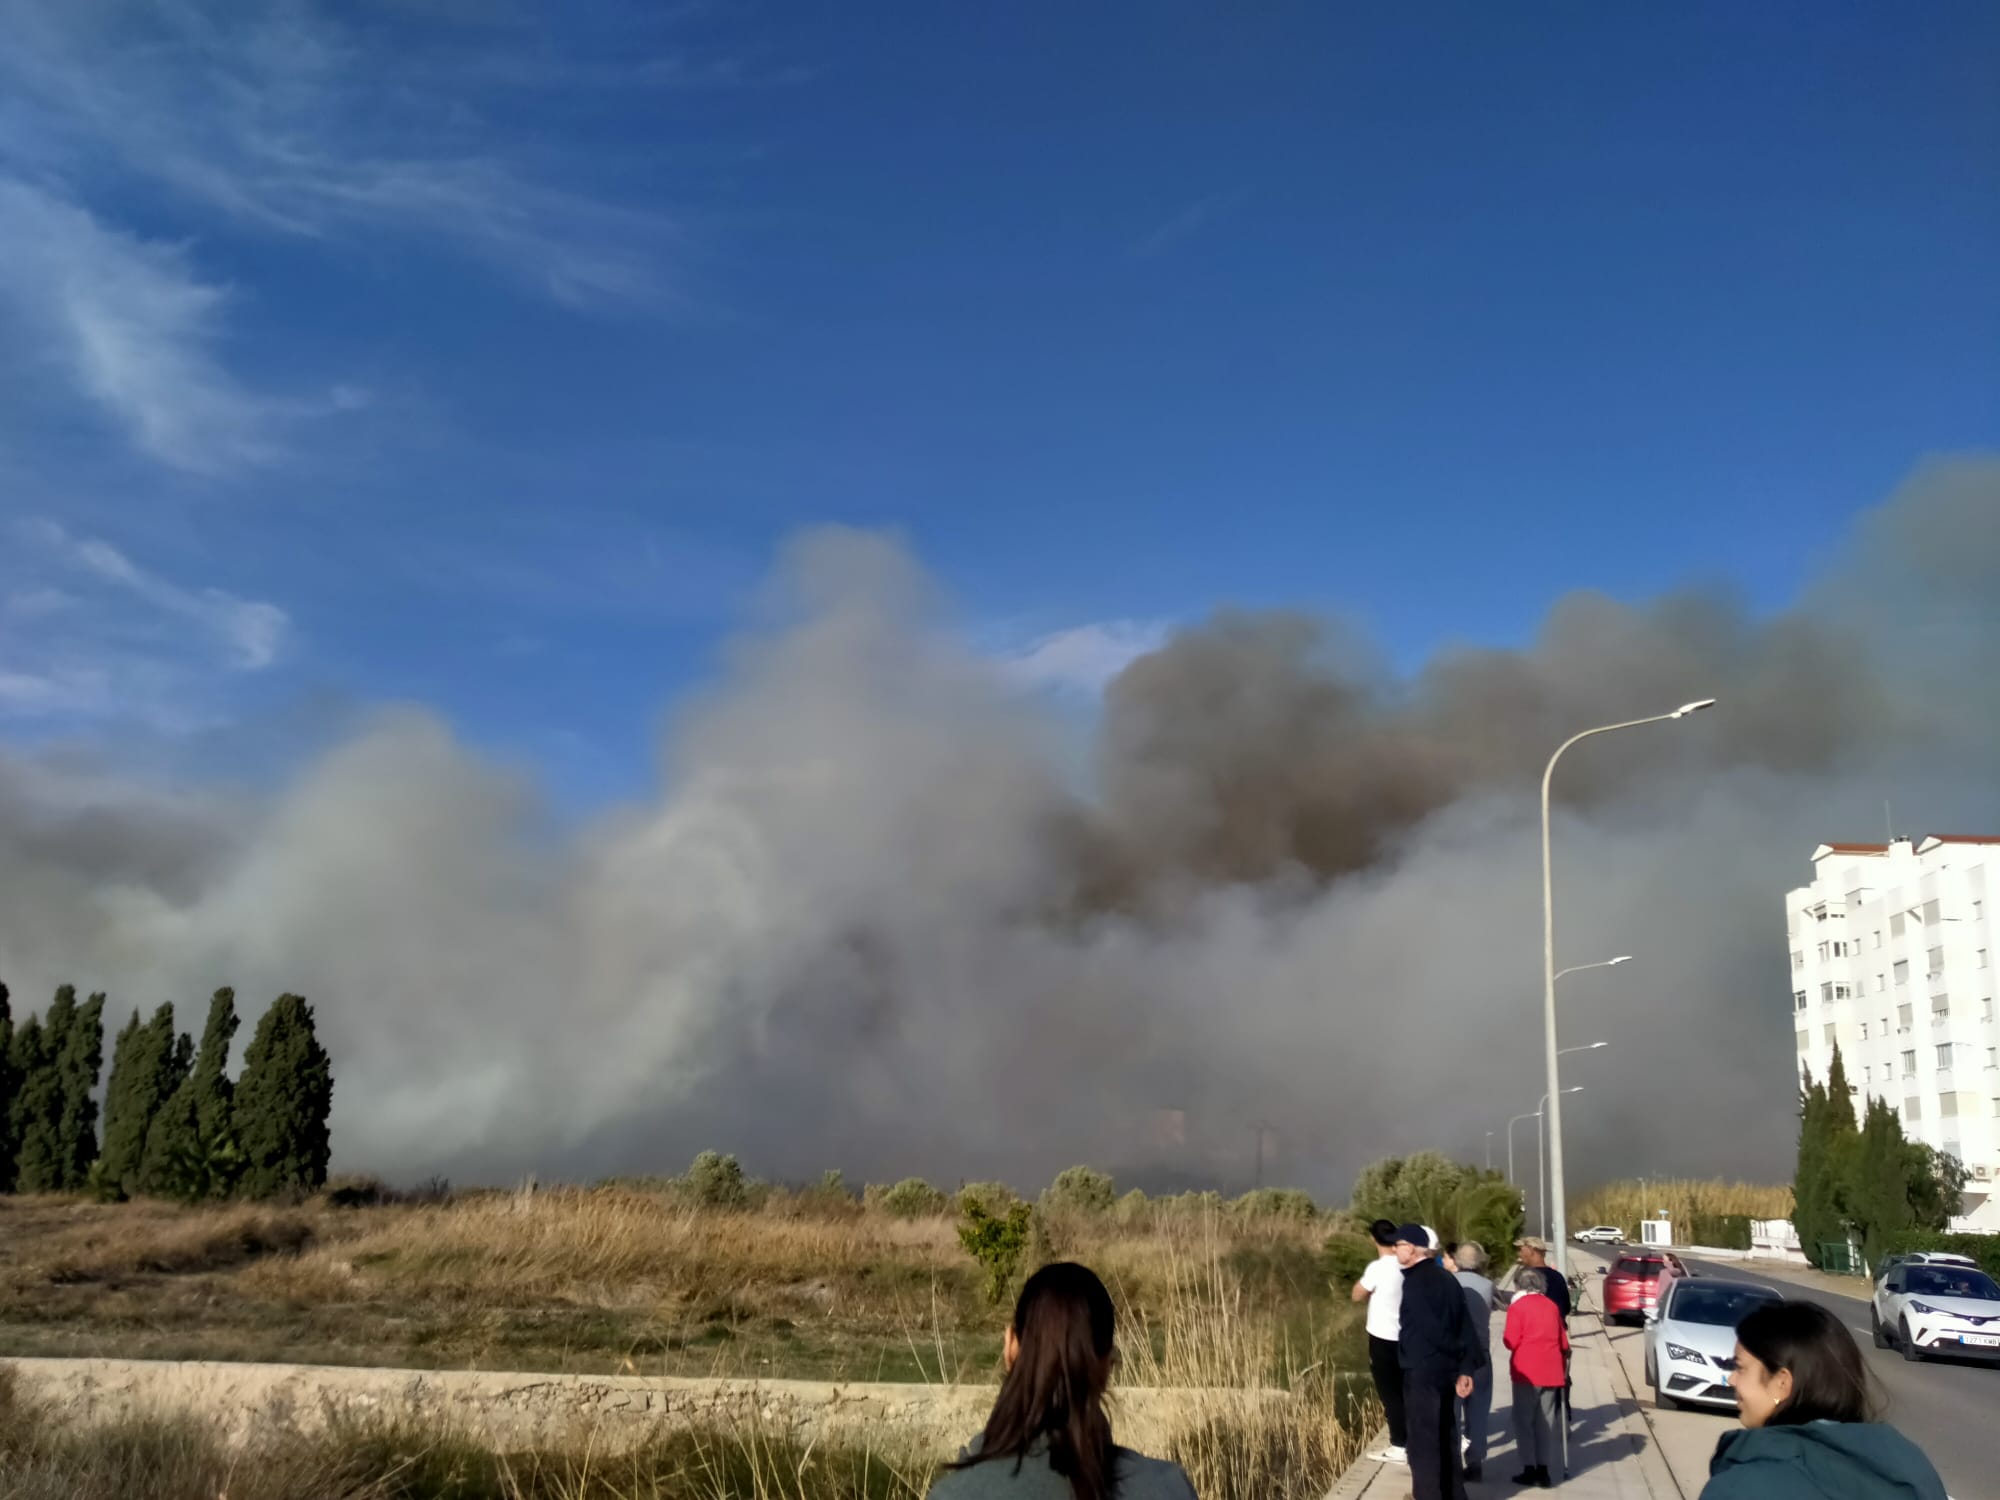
1634,1286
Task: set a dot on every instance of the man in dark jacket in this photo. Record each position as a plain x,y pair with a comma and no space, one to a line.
1439,1350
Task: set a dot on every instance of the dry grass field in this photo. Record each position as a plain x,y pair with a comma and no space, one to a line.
1684,1199
616,1279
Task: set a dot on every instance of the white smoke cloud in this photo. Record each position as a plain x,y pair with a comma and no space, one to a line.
869,922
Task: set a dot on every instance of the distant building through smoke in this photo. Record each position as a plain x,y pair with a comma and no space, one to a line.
1891,953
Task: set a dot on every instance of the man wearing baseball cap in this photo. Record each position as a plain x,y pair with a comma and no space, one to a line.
1439,1350
1532,1254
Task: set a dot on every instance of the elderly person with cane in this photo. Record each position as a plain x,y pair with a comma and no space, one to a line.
1539,1343
1467,1262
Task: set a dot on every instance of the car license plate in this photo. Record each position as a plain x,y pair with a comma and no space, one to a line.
1985,1340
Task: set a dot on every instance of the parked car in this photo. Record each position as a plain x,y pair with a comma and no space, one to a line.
1889,1263
1633,1285
1691,1339
1937,1305
1601,1234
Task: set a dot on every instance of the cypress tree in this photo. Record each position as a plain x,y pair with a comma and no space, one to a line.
283,1100
37,1103
10,1086
1810,1210
190,1147
1879,1186
78,1061
149,1063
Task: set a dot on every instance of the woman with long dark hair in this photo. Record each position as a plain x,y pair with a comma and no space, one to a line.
1048,1437
1803,1396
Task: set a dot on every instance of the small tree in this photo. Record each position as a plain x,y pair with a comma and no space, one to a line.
283,1101
913,1198
10,1086
996,1242
716,1181
78,1062
148,1064
191,1150
1936,1186
37,1108
1878,1191
1080,1190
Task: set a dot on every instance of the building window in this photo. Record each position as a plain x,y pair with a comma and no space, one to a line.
1947,1104
1798,999
1864,1031
1940,1005
1909,1065
1805,1040
1878,938
1823,951
1881,983
1993,1057
1798,958
1986,1010
1867,1073
1930,912
1902,971
1896,925
1936,962
1980,963
1913,1108
1904,1019
1944,1054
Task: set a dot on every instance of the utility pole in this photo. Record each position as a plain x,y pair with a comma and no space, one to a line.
1263,1128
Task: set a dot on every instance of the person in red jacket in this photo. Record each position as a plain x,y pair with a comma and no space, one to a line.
1538,1341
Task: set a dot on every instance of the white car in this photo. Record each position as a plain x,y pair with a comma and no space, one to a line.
1937,1306
1691,1339
1600,1234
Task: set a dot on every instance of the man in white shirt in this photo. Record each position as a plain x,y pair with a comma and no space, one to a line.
1381,1287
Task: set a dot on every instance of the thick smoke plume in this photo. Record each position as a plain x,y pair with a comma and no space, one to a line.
879,918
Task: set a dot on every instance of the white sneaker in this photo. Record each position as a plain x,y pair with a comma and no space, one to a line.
1390,1455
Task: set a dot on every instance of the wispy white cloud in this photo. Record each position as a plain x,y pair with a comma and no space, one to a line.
251,631
1183,224
134,328
283,120
117,639
1084,658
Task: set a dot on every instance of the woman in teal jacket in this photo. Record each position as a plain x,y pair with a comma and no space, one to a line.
1805,1403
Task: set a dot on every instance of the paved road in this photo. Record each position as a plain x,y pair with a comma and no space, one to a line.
1949,1408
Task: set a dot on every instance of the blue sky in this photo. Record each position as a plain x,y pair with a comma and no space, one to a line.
484,355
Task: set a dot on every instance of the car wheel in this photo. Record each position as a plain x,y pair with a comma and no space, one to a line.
1911,1352
1875,1328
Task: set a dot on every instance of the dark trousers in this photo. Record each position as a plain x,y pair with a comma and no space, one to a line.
1430,1407
1388,1372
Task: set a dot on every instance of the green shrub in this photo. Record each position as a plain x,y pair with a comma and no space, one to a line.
1983,1248
1720,1231
1080,1190
1134,1209
716,1181
1345,1256
913,1198
994,1197
1277,1203
996,1242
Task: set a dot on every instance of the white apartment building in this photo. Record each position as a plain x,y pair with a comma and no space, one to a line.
1892,950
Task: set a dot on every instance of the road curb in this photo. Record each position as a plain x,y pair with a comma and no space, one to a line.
1653,1466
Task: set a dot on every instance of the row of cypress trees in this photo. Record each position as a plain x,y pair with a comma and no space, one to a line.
175,1125
1864,1179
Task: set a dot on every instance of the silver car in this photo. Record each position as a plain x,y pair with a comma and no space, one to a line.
1691,1339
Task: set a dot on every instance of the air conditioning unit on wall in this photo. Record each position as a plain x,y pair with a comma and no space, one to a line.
1980,1173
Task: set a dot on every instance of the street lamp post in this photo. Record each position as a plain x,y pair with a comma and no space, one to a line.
1541,1176
1489,1150
1549,972
1531,1115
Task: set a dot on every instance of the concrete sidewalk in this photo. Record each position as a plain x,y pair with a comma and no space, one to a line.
1611,1454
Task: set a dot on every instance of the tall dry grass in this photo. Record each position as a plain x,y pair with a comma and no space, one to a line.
1625,1203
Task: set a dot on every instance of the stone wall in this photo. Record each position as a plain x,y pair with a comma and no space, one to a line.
511,1411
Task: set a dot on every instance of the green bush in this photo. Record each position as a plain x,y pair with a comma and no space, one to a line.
994,1197
1344,1257
1277,1203
913,1198
716,1181
997,1243
1983,1248
1080,1190
1134,1208
1720,1231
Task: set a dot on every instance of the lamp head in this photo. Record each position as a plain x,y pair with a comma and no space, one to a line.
1693,708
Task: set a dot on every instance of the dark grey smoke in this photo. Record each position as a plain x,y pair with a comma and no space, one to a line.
873,922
